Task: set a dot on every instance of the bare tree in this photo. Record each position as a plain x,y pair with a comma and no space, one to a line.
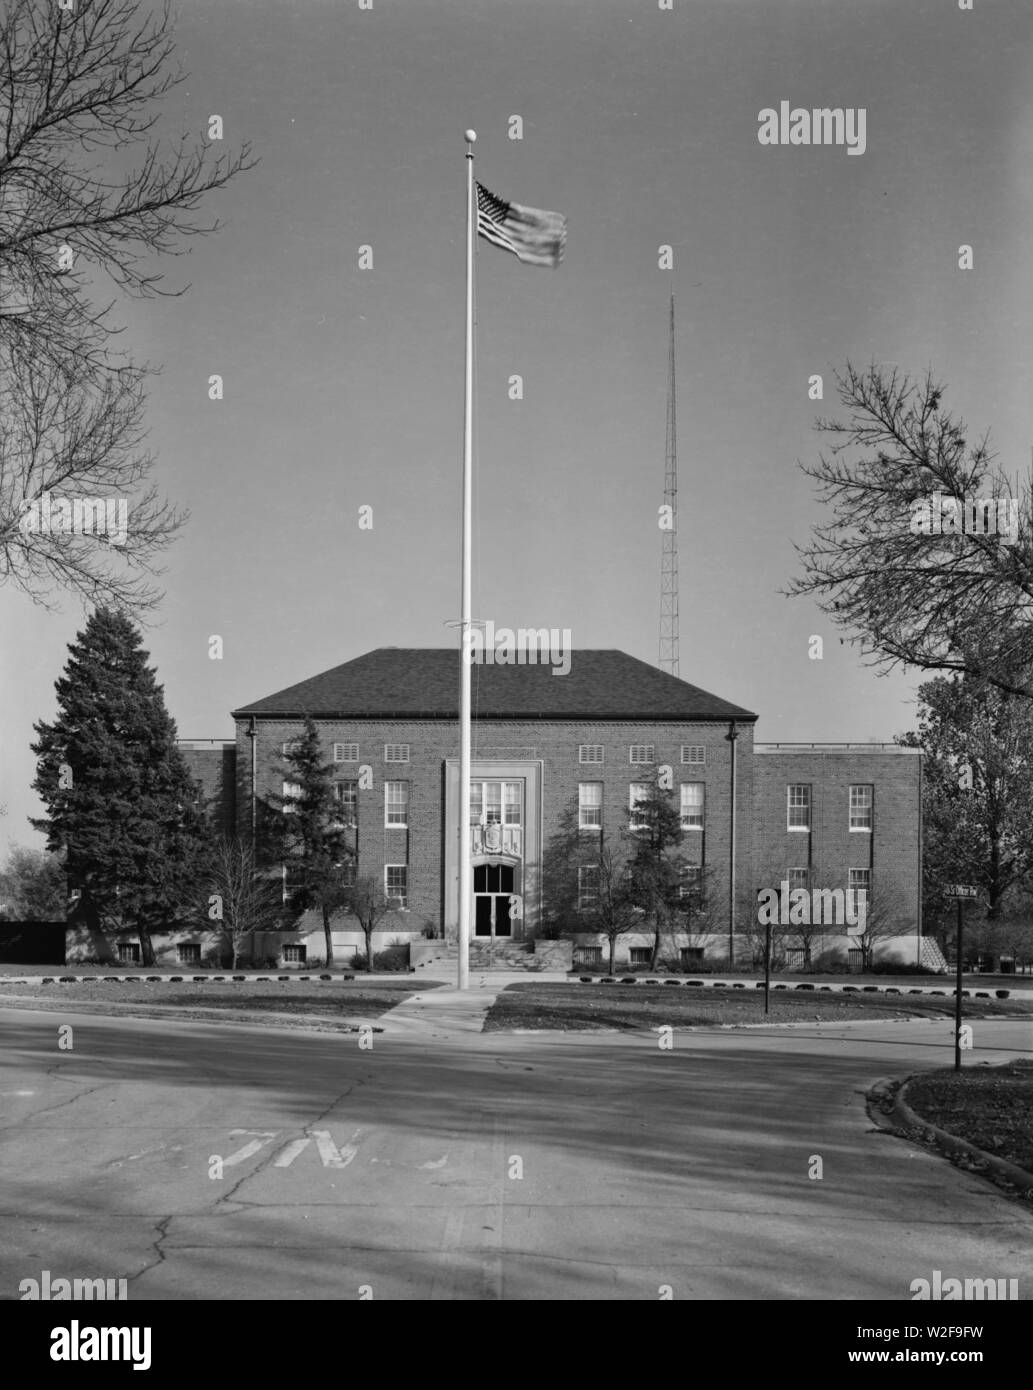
366,900
75,83
239,899
612,913
937,601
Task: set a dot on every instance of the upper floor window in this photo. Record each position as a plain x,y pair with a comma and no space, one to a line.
590,805
638,792
590,753
396,752
346,752
798,806
694,753
346,796
641,753
291,793
861,798
293,745
496,803
396,803
692,805
798,878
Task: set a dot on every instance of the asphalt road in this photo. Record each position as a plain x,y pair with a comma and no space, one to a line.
484,1166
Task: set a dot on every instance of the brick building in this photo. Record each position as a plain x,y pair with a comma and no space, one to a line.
551,751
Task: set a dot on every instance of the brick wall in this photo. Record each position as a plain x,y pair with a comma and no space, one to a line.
831,849
556,743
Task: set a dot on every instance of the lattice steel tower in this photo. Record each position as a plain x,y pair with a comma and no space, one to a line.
669,531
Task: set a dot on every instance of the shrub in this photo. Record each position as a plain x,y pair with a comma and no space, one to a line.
870,989
1003,993
587,979
631,980
892,989
394,957
804,986
850,989
672,982
608,980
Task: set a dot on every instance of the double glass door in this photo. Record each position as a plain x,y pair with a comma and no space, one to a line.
492,888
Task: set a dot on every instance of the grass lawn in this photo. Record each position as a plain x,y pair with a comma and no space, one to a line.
579,1007
991,1107
341,999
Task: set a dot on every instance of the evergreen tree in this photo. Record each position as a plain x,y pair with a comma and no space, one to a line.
314,838
120,801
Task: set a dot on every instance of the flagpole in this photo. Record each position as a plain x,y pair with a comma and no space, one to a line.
467,564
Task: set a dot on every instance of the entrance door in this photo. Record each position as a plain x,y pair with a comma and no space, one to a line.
492,886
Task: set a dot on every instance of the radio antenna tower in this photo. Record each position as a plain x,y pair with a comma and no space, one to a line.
669,531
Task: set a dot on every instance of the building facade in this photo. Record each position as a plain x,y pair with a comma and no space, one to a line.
561,755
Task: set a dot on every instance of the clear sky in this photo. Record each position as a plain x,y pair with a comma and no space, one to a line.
343,387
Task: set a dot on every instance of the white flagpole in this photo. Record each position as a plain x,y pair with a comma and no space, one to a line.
466,628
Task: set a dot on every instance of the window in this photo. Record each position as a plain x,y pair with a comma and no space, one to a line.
293,878
798,804
860,881
396,884
692,805
691,955
641,753
396,752
590,805
294,953
798,878
588,955
694,753
292,745
129,953
640,955
346,798
496,803
590,753
396,803
587,886
346,752
291,792
189,953
690,881
637,791
861,798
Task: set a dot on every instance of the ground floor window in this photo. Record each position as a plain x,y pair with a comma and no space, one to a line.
692,955
294,953
396,884
588,955
129,953
641,955
189,953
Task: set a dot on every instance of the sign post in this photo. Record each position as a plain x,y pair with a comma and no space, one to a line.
959,891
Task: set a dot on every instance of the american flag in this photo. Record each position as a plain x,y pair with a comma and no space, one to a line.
534,236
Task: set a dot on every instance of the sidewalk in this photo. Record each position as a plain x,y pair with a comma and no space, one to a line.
450,1012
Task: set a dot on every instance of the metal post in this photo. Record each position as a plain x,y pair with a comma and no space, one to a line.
957,996
767,962
467,630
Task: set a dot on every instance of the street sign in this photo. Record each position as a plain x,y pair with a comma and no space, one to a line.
960,890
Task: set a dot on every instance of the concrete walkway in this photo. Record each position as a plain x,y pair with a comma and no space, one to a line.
450,1012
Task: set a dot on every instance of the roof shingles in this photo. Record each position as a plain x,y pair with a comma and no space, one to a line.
423,683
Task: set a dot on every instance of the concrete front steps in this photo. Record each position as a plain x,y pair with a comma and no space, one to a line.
532,956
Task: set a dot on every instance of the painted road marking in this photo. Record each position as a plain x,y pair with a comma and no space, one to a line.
265,1136
291,1152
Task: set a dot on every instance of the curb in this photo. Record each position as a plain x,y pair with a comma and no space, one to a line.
887,1098
113,1008
803,987
224,979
